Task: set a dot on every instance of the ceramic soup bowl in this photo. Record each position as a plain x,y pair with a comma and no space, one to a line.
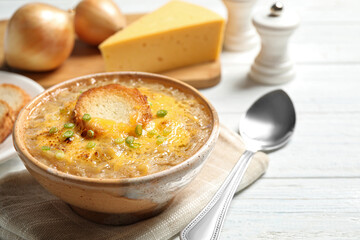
117,201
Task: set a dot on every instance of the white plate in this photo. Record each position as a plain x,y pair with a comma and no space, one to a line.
7,150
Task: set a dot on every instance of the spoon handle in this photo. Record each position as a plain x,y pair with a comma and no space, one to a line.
208,223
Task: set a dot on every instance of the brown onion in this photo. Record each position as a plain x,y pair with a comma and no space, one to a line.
39,37
96,20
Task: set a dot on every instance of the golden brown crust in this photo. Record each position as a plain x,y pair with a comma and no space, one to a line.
132,96
6,121
25,97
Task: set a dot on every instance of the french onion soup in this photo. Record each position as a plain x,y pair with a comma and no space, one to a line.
116,129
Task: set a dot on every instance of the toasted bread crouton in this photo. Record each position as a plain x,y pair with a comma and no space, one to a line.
14,96
6,120
112,103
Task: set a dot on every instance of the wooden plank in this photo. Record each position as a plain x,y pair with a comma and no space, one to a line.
328,106
323,145
310,11
296,209
315,43
326,12
322,88
323,209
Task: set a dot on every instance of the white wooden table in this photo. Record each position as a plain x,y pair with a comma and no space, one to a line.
312,187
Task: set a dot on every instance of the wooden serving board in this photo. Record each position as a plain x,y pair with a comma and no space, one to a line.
86,59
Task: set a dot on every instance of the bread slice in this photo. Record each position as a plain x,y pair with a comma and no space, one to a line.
6,120
114,102
14,96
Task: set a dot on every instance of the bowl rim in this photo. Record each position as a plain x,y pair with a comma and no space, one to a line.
22,149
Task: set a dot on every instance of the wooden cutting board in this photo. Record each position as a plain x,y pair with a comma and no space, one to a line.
87,59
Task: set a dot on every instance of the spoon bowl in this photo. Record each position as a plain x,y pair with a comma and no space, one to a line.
269,123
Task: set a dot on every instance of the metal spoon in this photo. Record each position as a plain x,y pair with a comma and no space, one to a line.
267,125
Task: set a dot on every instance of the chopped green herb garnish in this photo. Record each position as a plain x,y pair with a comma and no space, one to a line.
134,145
59,154
45,148
129,140
161,113
119,140
53,130
69,125
68,134
90,145
160,139
90,133
138,130
152,132
86,117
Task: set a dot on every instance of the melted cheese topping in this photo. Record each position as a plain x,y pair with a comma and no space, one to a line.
164,142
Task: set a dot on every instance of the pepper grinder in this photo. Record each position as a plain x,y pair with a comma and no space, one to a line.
273,64
240,35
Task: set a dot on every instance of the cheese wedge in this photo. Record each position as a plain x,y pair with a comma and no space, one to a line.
176,35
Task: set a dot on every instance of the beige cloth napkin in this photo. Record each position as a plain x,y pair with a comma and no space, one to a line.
27,211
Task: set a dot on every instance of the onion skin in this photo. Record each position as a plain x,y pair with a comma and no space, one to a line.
96,20
39,37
